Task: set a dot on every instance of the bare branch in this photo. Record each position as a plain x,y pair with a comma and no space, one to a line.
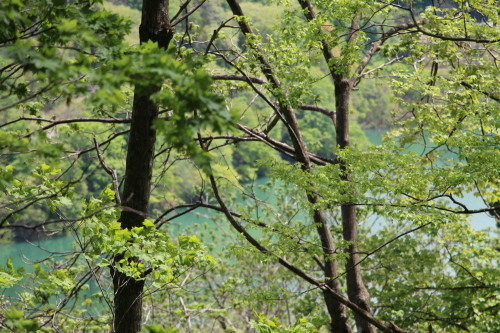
284,148
214,35
183,17
487,94
109,171
252,79
326,112
110,138
377,45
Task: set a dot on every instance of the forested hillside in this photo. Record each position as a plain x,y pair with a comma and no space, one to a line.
207,165
182,181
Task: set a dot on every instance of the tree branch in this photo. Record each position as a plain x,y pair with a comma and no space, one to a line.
109,171
378,44
252,79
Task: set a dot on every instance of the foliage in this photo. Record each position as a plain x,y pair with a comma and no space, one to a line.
264,325
15,321
67,76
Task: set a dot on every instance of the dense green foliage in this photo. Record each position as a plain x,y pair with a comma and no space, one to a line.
67,77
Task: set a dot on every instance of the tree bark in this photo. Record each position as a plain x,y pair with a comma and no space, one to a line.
155,26
336,310
356,289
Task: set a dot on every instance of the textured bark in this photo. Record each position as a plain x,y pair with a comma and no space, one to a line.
155,26
356,289
127,303
336,309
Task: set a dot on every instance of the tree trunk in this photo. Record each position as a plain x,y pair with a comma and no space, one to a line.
336,310
155,26
356,289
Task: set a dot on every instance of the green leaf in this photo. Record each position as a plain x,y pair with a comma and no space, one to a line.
7,280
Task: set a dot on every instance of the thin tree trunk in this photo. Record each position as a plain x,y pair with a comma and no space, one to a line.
336,310
155,26
356,289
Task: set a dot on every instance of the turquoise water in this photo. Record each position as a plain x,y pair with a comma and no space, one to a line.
25,254
478,221
30,252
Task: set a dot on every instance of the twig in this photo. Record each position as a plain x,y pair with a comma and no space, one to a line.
109,171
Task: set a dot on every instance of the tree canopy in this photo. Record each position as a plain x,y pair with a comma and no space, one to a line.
209,163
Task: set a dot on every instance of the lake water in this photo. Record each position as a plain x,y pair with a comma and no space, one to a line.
25,254
478,221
